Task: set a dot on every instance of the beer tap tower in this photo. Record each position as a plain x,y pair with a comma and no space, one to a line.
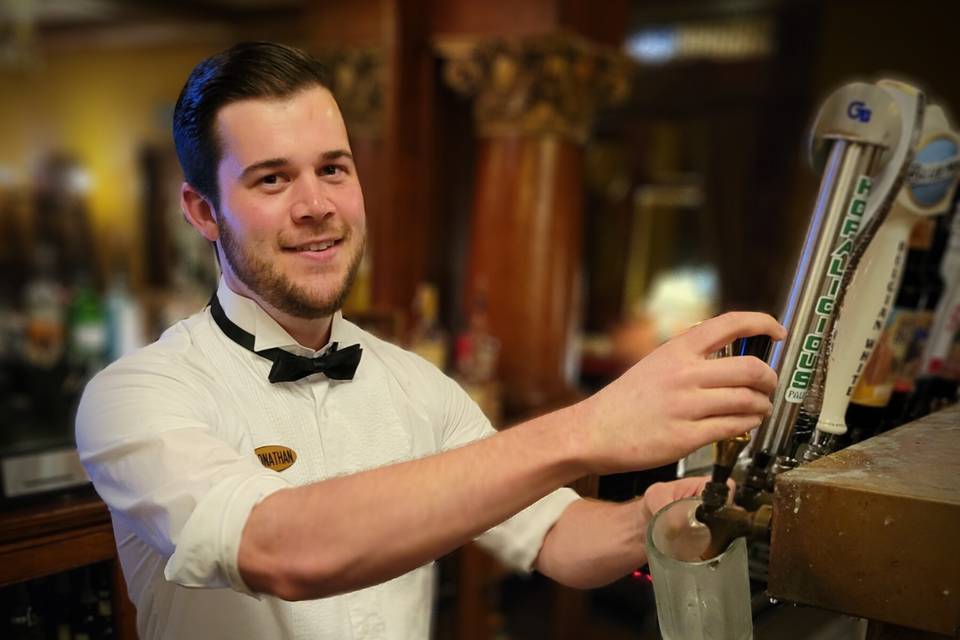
864,138
864,141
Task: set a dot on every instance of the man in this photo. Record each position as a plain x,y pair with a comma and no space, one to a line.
307,500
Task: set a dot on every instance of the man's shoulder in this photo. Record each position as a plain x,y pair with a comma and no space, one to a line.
169,375
175,354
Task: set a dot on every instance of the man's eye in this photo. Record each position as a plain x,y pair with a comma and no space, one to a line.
273,178
332,169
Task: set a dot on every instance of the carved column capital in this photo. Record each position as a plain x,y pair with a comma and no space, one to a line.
357,76
539,85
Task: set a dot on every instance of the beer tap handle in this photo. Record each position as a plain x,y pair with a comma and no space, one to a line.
726,452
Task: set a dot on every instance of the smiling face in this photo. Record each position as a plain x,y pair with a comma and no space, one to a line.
290,226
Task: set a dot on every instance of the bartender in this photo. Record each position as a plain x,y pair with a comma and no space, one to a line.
274,471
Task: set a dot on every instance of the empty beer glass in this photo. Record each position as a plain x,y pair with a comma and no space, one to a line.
697,599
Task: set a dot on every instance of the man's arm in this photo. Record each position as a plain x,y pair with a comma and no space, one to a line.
594,543
350,532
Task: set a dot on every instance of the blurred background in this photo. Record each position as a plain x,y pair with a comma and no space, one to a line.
553,188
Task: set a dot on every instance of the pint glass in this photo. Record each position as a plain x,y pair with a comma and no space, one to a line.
697,599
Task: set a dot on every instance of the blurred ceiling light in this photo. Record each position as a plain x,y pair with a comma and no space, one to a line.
653,46
79,181
729,40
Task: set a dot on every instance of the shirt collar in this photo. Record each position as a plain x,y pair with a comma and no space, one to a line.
267,334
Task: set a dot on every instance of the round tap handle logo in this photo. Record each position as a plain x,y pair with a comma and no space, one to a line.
858,110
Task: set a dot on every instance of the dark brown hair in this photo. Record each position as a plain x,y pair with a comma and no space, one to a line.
244,71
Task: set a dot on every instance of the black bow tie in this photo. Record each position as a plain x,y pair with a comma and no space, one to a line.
336,364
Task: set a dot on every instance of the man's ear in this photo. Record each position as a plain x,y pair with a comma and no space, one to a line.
198,212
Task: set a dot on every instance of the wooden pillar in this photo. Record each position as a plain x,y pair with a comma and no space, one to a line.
534,101
382,68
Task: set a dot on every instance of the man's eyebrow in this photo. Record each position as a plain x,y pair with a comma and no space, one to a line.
336,154
276,163
272,163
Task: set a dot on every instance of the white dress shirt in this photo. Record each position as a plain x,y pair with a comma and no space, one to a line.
168,435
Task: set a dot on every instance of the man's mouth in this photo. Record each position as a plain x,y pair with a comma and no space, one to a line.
320,245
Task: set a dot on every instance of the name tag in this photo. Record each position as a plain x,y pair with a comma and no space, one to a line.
276,457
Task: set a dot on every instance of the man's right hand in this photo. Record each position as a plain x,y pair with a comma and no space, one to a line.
678,399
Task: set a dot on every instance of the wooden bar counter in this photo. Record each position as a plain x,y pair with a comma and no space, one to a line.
870,530
60,533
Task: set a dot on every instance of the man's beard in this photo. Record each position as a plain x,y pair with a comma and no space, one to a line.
275,288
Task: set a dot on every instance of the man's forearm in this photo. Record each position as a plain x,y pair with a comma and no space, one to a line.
354,531
594,543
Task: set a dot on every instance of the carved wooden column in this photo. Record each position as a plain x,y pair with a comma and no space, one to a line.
534,101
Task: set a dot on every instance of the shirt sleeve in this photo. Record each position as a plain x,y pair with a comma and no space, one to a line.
147,441
517,541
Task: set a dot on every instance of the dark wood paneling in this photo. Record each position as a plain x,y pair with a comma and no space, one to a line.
358,22
493,17
401,261
604,24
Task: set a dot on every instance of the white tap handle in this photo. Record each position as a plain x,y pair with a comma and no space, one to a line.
868,302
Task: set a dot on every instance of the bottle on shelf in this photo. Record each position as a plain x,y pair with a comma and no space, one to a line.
23,621
87,620
125,322
71,605
104,615
426,338
64,602
43,301
477,350
87,327
476,356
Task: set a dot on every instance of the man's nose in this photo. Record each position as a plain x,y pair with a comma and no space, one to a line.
310,200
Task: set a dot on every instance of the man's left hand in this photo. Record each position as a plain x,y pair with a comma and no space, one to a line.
659,495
